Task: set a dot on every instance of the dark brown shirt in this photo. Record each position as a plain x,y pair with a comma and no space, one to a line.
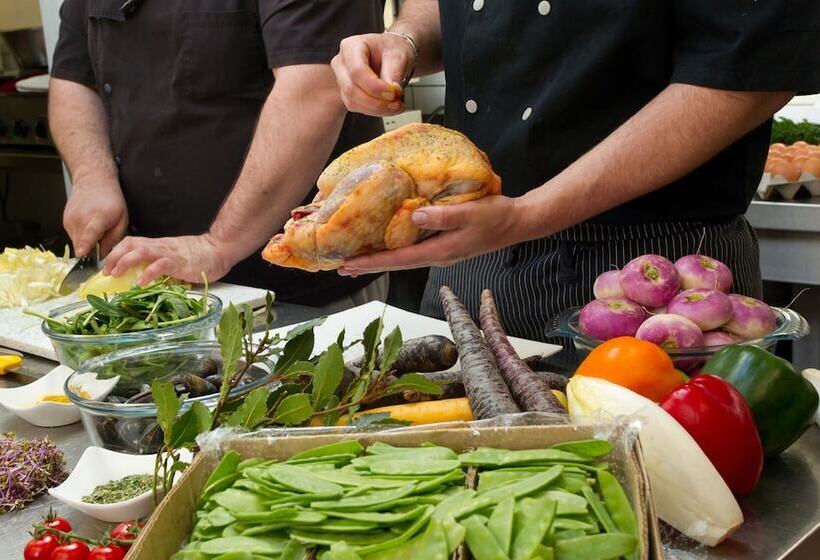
183,82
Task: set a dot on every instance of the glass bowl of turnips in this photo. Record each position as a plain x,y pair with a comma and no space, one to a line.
686,307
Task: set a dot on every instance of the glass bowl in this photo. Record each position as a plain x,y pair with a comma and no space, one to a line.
75,349
790,325
123,417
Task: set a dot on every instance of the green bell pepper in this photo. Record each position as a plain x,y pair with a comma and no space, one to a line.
783,403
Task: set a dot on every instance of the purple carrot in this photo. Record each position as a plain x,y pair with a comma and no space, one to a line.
530,390
489,396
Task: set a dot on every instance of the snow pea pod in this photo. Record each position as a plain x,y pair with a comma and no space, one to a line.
357,481
453,503
429,485
254,545
340,447
304,481
239,501
599,510
374,499
566,523
403,537
617,504
413,467
420,454
517,490
491,457
500,523
538,516
596,547
294,550
382,518
590,448
483,545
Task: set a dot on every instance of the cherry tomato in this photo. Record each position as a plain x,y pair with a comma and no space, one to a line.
75,550
59,523
40,549
107,552
126,531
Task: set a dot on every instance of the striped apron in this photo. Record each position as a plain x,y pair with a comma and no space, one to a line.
535,281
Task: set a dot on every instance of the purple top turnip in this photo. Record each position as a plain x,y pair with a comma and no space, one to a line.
707,308
610,317
671,332
608,284
650,280
700,271
720,337
751,319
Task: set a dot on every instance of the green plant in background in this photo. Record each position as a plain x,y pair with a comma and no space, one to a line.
788,132
305,388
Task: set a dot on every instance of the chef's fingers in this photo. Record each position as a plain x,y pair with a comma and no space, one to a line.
164,266
357,100
397,63
442,218
91,233
113,236
362,61
120,249
144,252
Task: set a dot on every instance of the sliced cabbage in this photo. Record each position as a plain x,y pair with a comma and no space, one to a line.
29,275
689,492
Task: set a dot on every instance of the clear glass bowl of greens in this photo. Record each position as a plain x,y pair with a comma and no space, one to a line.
160,312
123,416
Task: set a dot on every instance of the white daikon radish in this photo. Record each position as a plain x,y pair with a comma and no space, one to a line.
689,492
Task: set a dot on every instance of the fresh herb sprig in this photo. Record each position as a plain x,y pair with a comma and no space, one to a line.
306,389
156,305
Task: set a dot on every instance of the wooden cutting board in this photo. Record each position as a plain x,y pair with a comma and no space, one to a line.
22,332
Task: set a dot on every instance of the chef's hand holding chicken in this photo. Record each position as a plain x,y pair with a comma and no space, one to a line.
615,133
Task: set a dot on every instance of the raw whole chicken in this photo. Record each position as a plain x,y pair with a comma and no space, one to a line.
367,195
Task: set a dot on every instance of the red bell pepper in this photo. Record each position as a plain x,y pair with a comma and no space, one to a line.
717,417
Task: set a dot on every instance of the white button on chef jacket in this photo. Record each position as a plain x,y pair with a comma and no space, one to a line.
477,5
544,7
526,114
471,106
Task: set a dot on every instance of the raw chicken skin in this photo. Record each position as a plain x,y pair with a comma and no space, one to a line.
367,195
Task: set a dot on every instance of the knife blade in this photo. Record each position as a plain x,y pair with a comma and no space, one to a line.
83,269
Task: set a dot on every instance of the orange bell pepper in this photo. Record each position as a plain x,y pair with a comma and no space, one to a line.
638,365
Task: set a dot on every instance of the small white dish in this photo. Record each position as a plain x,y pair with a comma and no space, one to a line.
98,466
26,401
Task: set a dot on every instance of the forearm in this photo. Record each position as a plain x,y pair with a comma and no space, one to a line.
420,19
79,127
298,127
679,130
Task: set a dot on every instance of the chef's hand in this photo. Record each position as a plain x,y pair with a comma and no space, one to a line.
467,230
95,211
184,258
369,70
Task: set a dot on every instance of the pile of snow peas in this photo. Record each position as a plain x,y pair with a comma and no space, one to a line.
344,502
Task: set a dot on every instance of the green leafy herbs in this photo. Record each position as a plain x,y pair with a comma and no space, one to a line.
789,132
157,305
306,388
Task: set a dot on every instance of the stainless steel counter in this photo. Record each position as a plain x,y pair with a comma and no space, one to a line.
782,514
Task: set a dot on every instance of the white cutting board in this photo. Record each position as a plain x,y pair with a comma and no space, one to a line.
22,332
412,325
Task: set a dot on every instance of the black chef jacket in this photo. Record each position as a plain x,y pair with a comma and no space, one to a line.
183,82
536,84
